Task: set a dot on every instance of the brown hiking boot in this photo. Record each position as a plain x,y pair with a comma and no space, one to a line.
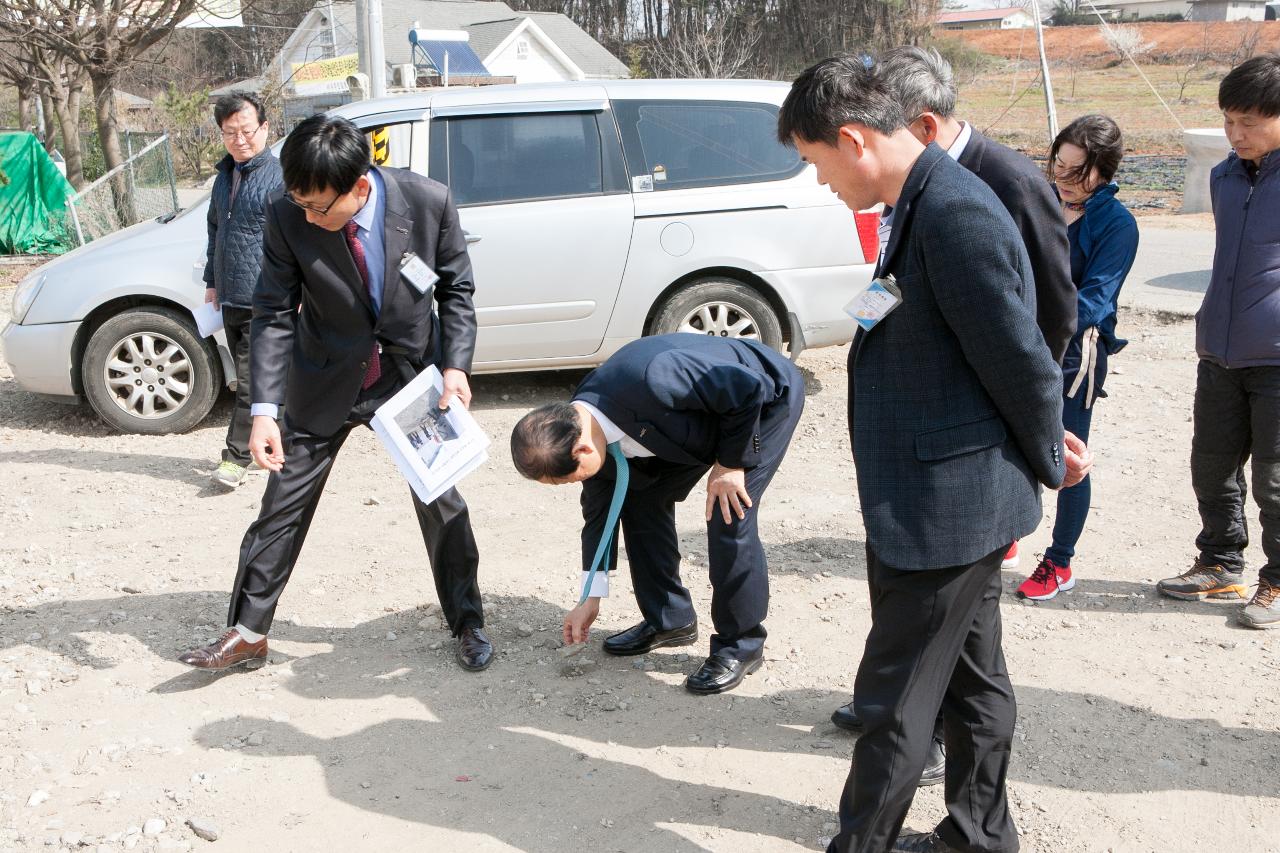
1264,610
1203,581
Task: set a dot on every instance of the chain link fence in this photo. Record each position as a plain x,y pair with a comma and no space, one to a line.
143,187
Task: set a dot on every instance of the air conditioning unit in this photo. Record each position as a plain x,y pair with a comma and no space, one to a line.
358,85
406,76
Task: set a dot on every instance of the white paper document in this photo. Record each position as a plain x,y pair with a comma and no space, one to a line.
433,448
208,319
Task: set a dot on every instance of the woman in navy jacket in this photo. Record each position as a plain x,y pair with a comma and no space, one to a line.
1104,240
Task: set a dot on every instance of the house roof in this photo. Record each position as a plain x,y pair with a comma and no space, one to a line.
131,101
587,53
978,15
254,85
486,36
488,22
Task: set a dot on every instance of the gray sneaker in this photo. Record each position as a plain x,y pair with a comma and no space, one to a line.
1202,581
229,475
1264,610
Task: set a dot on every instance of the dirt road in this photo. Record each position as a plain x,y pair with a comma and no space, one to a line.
1145,724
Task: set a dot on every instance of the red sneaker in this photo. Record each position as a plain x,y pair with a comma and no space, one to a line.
1046,581
1010,560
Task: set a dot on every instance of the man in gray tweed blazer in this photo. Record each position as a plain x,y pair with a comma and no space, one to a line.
955,415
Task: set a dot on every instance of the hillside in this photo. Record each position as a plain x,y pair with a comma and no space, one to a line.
1086,44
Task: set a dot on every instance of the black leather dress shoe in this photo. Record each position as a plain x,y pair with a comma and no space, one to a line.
921,842
474,650
935,767
720,673
846,718
641,639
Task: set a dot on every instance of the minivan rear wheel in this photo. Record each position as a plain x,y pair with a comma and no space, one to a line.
146,371
722,308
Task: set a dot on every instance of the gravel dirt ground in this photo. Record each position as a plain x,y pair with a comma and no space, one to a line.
1145,724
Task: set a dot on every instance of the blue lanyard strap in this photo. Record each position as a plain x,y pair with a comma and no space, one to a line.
621,478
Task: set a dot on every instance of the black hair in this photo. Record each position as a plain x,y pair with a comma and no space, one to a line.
542,442
1103,146
1253,86
233,102
835,92
324,152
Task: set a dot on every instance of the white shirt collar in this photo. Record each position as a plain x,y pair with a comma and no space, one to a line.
957,147
364,218
630,447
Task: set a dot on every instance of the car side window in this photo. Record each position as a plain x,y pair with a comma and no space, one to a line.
393,144
506,158
683,144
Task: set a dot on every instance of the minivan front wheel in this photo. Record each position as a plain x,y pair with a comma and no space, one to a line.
146,371
720,307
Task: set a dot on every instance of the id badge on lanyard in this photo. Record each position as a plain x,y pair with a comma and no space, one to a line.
875,302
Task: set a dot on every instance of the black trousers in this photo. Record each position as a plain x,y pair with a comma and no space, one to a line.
934,645
738,569
1237,415
272,544
235,322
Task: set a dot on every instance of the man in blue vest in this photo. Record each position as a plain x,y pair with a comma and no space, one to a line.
247,176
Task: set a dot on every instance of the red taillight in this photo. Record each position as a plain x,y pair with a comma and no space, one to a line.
869,234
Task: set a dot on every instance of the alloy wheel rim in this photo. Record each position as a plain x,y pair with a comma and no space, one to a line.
148,375
722,320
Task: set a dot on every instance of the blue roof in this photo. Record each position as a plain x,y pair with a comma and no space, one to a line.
462,59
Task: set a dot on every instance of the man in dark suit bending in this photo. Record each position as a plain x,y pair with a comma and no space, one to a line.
377,260
674,407
955,416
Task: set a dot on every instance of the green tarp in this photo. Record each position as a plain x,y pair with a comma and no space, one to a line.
33,204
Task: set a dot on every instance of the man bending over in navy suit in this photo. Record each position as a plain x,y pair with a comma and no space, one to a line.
676,406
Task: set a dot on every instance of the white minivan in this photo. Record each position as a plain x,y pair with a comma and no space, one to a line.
595,212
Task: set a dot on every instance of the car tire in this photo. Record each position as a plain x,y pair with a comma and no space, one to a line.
722,307
147,371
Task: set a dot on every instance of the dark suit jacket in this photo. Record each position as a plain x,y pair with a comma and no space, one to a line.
955,404
1025,192
313,360
694,399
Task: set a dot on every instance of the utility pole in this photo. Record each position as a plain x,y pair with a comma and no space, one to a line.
377,50
362,38
1044,74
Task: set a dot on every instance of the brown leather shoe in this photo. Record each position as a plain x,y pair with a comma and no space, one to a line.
227,651
475,652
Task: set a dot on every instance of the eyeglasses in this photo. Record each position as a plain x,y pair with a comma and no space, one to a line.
320,211
246,135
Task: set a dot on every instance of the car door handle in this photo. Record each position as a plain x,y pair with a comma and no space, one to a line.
472,238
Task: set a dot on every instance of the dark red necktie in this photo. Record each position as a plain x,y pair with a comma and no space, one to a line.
357,254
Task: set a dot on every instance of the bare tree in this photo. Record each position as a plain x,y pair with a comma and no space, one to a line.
59,84
1247,43
1126,41
15,68
102,37
720,49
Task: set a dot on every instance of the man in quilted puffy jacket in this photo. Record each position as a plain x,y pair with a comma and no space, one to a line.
237,209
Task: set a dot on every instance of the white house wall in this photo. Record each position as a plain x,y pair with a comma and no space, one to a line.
1148,10
539,66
